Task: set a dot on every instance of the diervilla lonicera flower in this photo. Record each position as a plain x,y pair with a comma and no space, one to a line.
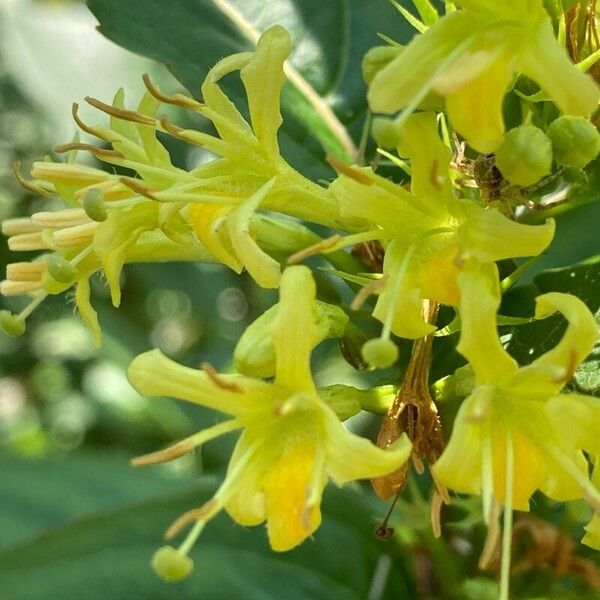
472,56
292,442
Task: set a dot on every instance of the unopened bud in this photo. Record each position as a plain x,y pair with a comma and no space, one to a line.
575,141
377,58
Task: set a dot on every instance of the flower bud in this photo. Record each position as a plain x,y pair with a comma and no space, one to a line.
61,270
171,564
12,324
525,155
380,353
575,141
94,205
376,58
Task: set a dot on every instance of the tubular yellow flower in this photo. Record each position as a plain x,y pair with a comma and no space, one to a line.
471,57
521,407
292,442
428,232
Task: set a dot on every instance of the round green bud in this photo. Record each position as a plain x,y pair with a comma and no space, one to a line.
380,353
94,205
525,155
60,269
12,324
376,58
384,132
575,141
171,564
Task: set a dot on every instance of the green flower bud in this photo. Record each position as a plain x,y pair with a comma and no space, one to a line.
525,155
12,324
61,270
171,564
380,353
376,58
94,205
254,354
384,132
575,141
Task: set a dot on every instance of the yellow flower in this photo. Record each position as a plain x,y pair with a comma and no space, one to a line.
516,433
472,56
292,442
428,232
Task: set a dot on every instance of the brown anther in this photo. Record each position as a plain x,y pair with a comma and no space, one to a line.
349,171
176,99
81,124
120,113
98,152
219,380
196,514
368,290
171,453
138,187
317,248
28,185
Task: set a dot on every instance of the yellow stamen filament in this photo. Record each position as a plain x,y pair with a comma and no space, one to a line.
317,248
18,288
120,113
25,271
492,537
75,236
219,380
28,241
60,219
19,226
176,99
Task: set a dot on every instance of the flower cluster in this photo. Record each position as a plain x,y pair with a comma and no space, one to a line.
428,242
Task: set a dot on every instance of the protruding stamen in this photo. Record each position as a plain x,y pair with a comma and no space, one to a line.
507,521
79,235
317,248
368,290
204,513
28,241
493,536
29,185
19,226
69,217
176,99
25,271
100,153
138,187
349,171
84,126
218,380
120,113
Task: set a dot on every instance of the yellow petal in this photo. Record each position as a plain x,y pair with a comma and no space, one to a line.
483,128
153,374
84,306
294,330
552,371
479,343
548,64
351,457
287,486
263,78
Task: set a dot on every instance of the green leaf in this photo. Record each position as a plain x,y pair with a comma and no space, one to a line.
330,39
107,556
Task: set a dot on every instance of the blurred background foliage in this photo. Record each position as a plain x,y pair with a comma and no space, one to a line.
75,521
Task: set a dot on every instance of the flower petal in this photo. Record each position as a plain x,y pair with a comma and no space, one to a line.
153,374
294,330
263,78
551,371
264,269
351,457
489,236
479,343
548,64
